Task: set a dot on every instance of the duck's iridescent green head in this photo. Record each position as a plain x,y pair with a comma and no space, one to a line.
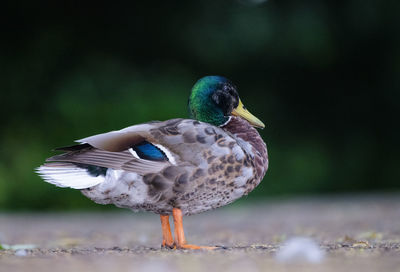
214,99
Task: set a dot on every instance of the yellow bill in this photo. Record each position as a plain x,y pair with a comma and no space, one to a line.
241,111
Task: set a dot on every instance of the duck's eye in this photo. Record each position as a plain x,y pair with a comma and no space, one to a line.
229,90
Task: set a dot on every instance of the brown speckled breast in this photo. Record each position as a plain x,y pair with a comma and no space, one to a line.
249,134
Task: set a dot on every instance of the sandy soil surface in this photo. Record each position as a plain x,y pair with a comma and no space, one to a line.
355,233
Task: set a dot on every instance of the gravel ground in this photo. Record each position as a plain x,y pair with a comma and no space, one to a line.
354,233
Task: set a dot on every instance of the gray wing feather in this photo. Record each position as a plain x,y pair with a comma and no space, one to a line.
115,160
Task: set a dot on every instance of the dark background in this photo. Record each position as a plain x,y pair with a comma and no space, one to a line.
322,75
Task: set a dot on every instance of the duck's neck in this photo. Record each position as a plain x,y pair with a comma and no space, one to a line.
243,130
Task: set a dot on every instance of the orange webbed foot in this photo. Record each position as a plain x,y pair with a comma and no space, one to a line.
179,242
195,247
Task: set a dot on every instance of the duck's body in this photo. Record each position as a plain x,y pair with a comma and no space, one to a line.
179,166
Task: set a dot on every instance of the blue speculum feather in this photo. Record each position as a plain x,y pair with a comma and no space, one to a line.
148,151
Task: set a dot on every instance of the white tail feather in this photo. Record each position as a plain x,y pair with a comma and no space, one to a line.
68,175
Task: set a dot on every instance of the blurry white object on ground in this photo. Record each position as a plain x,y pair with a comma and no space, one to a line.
300,249
21,253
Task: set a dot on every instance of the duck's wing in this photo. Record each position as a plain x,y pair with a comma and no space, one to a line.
131,149
142,149
127,160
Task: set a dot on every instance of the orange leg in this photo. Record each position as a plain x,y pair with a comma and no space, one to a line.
180,240
168,240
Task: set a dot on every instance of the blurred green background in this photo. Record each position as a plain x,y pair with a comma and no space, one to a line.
322,75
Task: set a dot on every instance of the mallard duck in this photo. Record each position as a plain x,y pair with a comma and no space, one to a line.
175,167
